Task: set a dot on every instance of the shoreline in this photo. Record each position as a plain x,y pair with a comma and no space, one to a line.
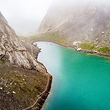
43,96
83,50
96,53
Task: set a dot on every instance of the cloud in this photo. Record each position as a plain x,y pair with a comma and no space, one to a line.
24,15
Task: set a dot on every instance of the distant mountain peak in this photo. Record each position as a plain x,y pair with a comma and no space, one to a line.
2,18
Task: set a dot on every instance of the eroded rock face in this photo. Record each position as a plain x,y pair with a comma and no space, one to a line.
12,50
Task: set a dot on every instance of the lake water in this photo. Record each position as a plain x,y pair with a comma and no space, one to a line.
80,81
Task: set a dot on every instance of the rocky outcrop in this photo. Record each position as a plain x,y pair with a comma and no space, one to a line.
12,50
33,49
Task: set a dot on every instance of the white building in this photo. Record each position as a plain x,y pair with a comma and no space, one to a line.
76,43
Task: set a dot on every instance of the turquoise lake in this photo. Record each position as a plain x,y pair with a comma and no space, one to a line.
80,81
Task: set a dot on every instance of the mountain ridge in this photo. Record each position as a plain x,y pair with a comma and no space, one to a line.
2,18
88,23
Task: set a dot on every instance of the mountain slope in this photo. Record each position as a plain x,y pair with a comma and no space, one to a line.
22,77
13,50
88,22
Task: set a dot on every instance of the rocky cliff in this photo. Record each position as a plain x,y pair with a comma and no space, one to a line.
22,77
13,50
88,22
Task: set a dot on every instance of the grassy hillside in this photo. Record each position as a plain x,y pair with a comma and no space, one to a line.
99,46
19,86
52,37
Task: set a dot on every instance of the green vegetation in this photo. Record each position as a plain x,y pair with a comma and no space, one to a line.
88,46
52,37
24,85
92,46
57,38
3,61
104,50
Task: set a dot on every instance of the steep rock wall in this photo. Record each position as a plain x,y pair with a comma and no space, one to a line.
12,50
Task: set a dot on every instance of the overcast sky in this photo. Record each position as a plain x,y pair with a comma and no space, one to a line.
24,16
